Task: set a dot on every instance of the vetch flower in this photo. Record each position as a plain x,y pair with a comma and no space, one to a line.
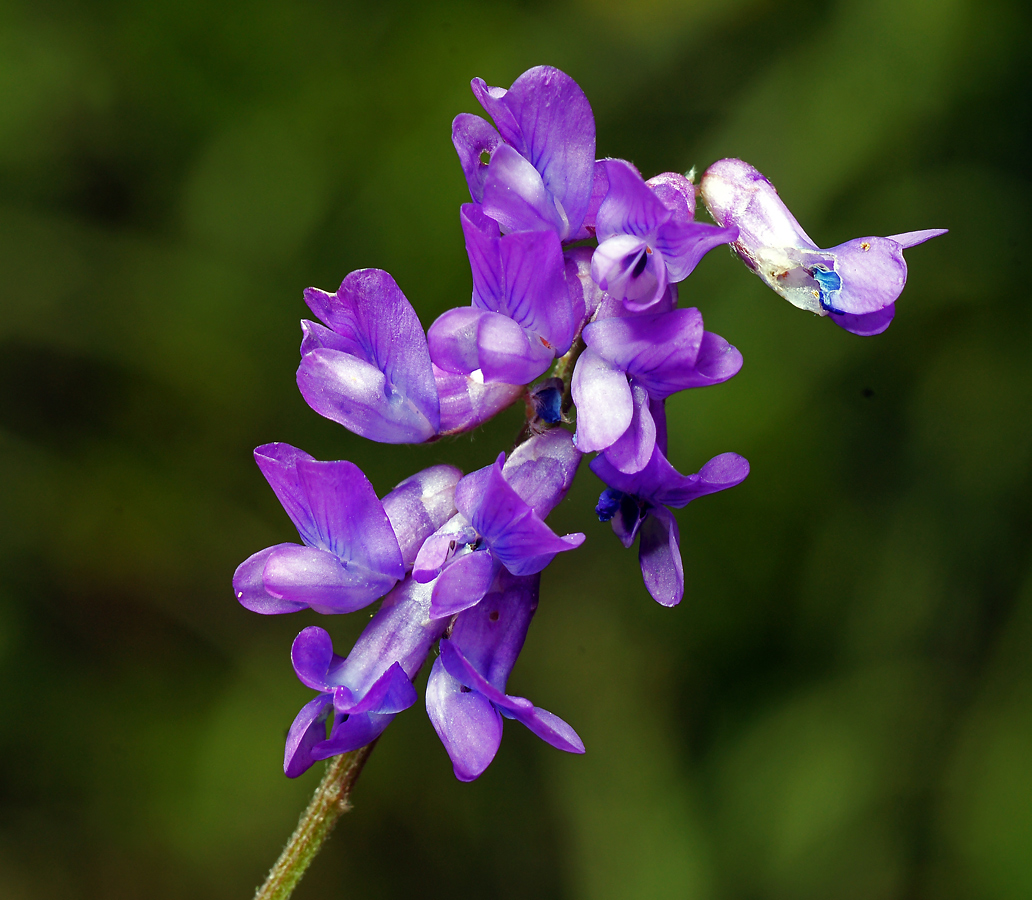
632,359
521,318
355,546
540,162
647,235
856,283
370,369
637,504
500,523
465,695
365,690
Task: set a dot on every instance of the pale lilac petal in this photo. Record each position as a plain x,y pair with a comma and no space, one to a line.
345,389
453,340
631,453
307,730
312,656
866,324
677,194
381,331
278,463
516,198
913,238
508,353
658,349
603,400
467,402
350,519
249,586
463,583
541,470
599,189
737,195
441,545
869,279
318,579
659,553
623,267
469,726
419,506
717,362
472,136
630,208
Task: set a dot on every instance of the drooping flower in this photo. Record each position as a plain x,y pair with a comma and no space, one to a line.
365,690
647,235
540,162
465,695
500,523
370,369
355,546
856,283
637,504
631,359
521,318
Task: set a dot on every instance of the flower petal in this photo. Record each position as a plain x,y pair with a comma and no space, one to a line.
249,586
913,238
509,353
468,725
633,450
391,693
630,208
278,463
659,553
603,400
683,245
473,136
349,518
550,728
318,579
419,506
516,198
541,470
307,731
312,656
453,340
467,402
351,732
463,583
866,324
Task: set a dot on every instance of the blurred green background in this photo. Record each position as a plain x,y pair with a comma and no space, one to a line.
842,706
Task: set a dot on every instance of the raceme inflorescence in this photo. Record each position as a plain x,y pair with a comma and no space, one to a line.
575,266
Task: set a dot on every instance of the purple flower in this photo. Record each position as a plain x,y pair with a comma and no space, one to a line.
540,170
631,359
647,236
500,523
465,695
637,504
467,401
521,317
355,547
370,369
368,688
855,283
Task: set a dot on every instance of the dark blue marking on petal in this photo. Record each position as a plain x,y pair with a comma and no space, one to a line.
548,405
640,265
608,504
828,283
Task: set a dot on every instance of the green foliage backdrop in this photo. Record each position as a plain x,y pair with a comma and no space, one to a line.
842,707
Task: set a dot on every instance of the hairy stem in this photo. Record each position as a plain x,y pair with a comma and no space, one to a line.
329,802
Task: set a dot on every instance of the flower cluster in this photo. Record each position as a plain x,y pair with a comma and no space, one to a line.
575,265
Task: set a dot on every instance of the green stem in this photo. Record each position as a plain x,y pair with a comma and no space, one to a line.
329,802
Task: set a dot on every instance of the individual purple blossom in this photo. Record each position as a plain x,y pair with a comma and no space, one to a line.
637,504
500,523
370,369
632,359
855,283
540,171
355,546
365,690
465,694
521,318
647,237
